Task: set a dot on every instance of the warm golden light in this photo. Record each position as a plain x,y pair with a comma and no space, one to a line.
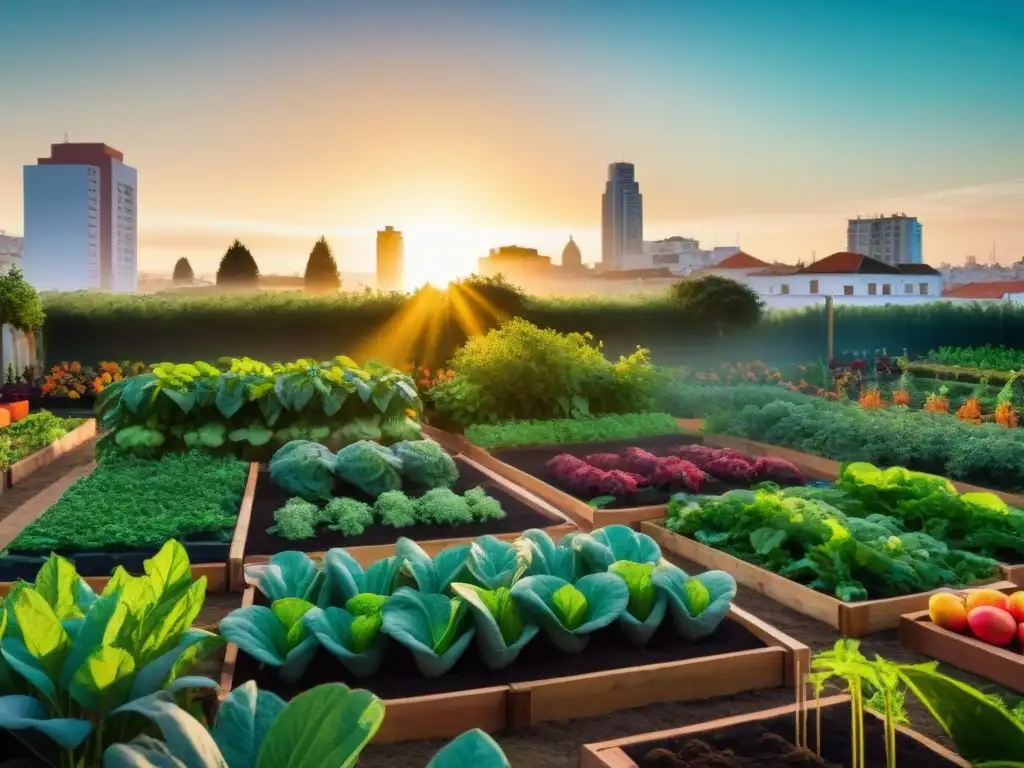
440,248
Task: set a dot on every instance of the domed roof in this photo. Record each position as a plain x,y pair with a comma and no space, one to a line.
571,256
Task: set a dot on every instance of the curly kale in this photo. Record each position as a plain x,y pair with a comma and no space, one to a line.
370,467
396,509
348,516
305,469
442,506
297,519
481,506
425,464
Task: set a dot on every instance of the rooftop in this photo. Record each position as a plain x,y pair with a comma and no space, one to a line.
988,290
741,260
846,263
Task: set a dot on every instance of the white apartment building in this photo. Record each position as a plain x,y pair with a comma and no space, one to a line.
10,251
680,255
892,239
81,220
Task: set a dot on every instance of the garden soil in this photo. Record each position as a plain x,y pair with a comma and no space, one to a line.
557,744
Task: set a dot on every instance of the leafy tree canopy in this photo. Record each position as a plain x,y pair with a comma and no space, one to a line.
238,268
718,302
321,269
183,274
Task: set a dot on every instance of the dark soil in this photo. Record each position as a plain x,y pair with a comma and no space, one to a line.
103,563
269,498
533,460
607,649
769,744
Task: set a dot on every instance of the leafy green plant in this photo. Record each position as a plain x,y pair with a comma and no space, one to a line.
425,464
199,405
433,627
348,516
646,607
297,519
305,469
801,534
473,748
614,543
987,357
569,613
562,431
276,636
73,662
502,633
395,509
497,377
483,507
545,558
287,574
344,578
128,502
432,575
352,634
698,604
370,467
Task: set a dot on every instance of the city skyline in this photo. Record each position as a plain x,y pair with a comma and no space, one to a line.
768,122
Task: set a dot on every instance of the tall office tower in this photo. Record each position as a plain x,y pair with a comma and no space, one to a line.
892,239
622,217
390,260
81,220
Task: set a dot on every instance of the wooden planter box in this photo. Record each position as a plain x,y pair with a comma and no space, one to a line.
612,754
81,434
557,527
522,705
216,573
852,619
585,516
829,470
1001,665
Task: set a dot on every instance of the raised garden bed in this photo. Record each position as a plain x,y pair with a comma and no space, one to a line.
208,556
253,543
852,619
528,468
827,469
80,435
1001,665
544,684
763,736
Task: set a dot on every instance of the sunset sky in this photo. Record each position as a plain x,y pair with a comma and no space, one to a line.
479,123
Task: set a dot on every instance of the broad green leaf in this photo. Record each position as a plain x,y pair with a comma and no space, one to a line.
492,562
104,681
270,408
331,724
170,619
185,401
117,580
185,737
696,596
289,612
333,400
230,397
432,575
355,641
19,713
365,604
445,636
57,582
100,627
154,675
431,626
981,729
168,567
720,588
472,749
41,631
637,577
501,631
612,543
141,752
288,574
570,606
193,654
138,393
242,722
765,540
23,663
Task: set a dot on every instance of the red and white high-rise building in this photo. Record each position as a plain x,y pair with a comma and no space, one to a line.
81,220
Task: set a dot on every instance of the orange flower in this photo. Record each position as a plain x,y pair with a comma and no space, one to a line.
1005,415
73,395
970,411
901,397
871,399
937,404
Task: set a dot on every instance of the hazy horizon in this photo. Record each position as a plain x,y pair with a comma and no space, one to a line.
470,126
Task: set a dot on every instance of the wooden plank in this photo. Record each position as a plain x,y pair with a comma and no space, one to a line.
611,754
599,693
1014,573
1001,665
852,619
370,553
236,553
216,579
227,674
798,655
444,715
450,441
80,435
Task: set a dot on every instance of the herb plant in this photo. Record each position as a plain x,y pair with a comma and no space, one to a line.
561,431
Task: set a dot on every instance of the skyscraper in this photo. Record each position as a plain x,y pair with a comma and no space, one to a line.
390,260
622,217
81,220
892,239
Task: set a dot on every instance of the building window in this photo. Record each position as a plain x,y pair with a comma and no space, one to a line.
847,290
872,289
908,288
924,289
886,290
814,286
784,290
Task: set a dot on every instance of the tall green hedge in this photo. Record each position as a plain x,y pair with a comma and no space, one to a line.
285,326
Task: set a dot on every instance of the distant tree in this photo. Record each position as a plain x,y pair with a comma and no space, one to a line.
493,295
717,302
183,274
20,307
322,270
238,268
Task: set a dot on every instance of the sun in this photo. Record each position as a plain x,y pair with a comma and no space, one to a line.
440,248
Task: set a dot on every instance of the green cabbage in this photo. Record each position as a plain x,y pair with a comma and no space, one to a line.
426,464
569,613
501,632
434,628
275,636
370,467
305,469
